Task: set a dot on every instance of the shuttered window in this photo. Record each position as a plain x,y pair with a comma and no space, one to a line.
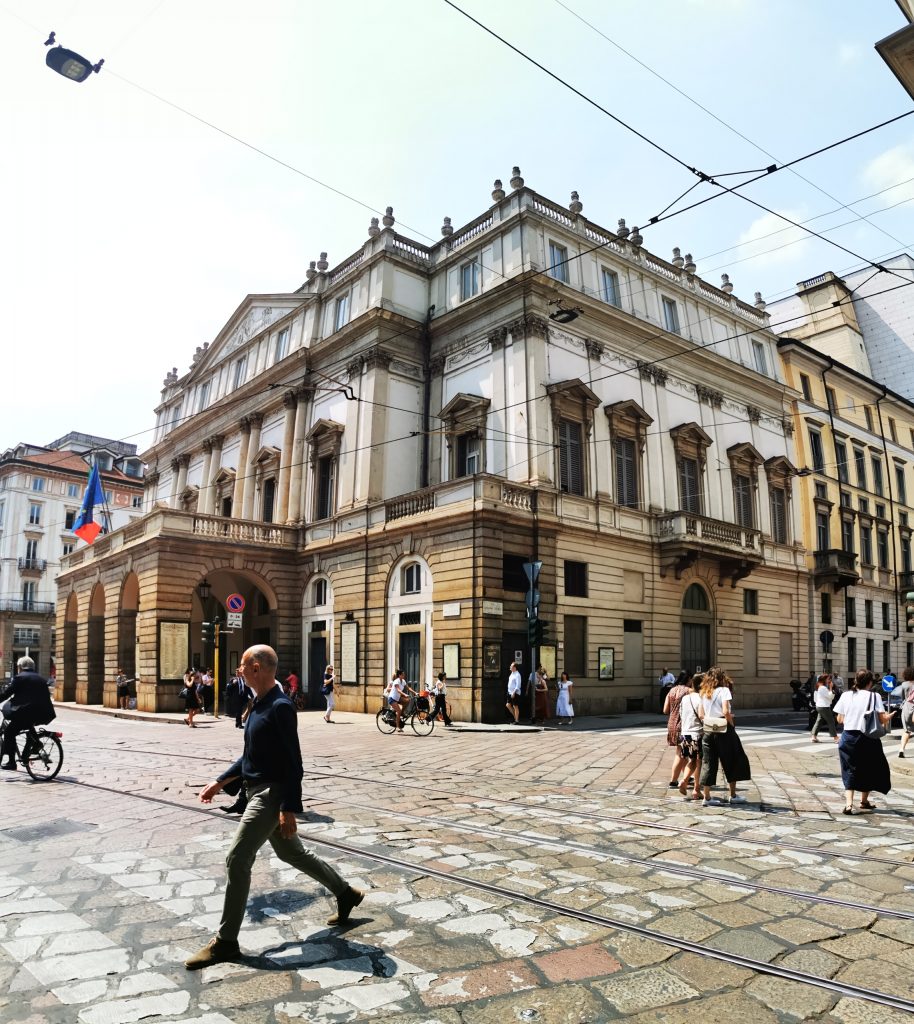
626,472
326,485
778,515
269,498
742,500
690,486
571,467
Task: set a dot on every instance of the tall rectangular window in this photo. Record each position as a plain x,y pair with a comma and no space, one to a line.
832,400
868,416
886,615
241,366
901,485
870,654
868,613
28,596
281,347
893,430
203,396
72,490
878,486
816,451
806,387
558,262
571,465
860,465
841,461
779,531
886,655
690,486
341,312
575,628
37,483
882,548
847,535
825,607
742,500
850,611
750,601
822,531
626,469
866,545
670,316
575,579
610,287
469,280
31,550
468,454
758,354
326,485
851,654
905,554
269,499
34,514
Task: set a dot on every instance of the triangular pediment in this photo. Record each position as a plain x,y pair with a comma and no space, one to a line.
780,465
745,452
628,410
322,428
573,390
691,432
224,476
463,407
265,455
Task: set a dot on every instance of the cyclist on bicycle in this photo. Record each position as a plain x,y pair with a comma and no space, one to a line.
397,690
29,705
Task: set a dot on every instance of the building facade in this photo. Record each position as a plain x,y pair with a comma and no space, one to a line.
41,488
855,452
361,468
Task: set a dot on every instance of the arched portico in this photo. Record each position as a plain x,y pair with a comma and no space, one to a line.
66,674
91,690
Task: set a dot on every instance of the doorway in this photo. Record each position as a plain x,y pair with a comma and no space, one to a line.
409,657
317,663
696,646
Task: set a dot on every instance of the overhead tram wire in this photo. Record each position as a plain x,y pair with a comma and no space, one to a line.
721,121
703,176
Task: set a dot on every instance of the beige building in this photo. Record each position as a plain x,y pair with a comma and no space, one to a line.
855,452
366,463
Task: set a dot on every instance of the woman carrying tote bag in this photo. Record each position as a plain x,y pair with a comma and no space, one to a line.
863,763
719,743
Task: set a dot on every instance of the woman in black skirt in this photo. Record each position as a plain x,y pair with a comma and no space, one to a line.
863,764
720,748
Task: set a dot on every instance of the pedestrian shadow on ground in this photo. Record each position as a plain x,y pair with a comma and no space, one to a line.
325,949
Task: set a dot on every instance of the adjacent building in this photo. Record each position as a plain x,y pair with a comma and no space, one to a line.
357,471
41,488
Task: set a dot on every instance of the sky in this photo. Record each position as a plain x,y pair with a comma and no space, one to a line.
130,230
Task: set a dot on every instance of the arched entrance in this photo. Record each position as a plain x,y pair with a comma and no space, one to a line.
409,619
66,680
95,676
697,621
258,621
126,625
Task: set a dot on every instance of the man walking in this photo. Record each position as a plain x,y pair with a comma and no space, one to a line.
515,685
271,768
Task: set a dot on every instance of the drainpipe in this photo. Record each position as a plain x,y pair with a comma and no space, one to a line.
364,639
426,338
831,422
888,477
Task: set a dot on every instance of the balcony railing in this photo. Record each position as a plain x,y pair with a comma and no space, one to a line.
32,564
906,580
20,604
836,561
685,527
411,505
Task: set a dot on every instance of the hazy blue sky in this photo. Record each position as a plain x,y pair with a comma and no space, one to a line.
131,232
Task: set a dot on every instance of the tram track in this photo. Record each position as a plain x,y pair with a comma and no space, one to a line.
576,813
776,970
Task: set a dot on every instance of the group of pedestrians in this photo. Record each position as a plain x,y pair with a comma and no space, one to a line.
539,681
702,729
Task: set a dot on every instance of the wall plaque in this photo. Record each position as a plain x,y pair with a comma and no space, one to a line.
349,652
173,649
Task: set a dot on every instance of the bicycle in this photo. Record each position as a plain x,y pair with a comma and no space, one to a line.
42,752
418,713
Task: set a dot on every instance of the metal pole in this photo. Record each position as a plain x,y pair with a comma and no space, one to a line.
216,625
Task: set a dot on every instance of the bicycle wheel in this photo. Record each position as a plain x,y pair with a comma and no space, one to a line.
45,756
423,722
385,721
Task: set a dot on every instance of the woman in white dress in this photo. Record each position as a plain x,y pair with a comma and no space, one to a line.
564,709
720,746
863,763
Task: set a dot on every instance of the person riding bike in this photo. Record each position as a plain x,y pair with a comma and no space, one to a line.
29,705
396,695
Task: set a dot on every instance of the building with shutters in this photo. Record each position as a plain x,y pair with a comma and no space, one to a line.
855,453
41,489
370,459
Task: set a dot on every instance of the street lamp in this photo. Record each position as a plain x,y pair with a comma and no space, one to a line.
562,314
204,590
69,64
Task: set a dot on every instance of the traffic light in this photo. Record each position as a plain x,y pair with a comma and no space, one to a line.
536,632
209,634
909,609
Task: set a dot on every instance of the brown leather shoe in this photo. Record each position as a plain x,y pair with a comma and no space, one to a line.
216,951
346,902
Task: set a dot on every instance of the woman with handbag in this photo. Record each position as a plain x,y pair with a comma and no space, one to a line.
720,746
327,691
674,696
191,698
863,763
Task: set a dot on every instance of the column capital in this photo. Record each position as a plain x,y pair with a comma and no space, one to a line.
290,398
183,460
217,440
255,419
244,424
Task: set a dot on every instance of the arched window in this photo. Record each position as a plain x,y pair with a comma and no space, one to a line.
695,599
412,578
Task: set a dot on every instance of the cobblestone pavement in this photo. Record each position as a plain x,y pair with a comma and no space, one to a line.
510,876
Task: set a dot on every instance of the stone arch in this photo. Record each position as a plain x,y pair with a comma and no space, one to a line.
95,675
318,633
128,607
66,679
409,599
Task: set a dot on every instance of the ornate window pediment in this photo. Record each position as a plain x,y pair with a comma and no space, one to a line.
266,455
690,441
779,469
464,412
464,419
573,405
573,400
325,438
628,419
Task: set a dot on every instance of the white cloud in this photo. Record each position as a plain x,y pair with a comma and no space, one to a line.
893,166
787,245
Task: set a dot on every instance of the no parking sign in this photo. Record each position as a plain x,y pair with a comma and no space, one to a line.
234,603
